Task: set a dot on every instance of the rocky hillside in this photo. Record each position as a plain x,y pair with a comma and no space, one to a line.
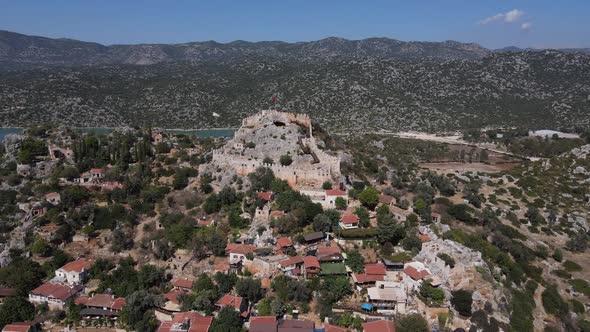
19,51
532,89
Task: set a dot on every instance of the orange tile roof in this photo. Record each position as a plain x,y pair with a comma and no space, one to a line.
78,265
311,261
363,278
198,323
182,283
102,301
291,261
424,238
379,326
277,213
239,248
328,250
377,268
283,242
17,327
174,295
335,192
263,324
230,300
386,199
265,195
349,219
334,328
415,274
57,291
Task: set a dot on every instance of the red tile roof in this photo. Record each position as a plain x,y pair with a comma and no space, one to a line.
204,222
230,300
17,327
96,170
283,242
102,301
263,324
52,195
334,328
78,265
335,192
415,274
349,219
277,213
6,292
265,195
311,262
424,238
174,295
182,283
379,326
239,248
291,261
57,291
363,278
377,268
198,323
328,250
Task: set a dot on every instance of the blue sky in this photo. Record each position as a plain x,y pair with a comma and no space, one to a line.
492,23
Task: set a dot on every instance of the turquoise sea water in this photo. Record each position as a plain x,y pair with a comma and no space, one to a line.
99,131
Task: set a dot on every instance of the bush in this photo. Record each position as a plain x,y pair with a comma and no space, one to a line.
571,266
581,286
553,303
286,160
461,301
360,233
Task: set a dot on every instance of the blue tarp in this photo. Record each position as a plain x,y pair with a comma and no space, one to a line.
319,330
367,306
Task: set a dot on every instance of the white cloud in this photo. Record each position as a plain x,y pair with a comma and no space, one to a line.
526,26
508,17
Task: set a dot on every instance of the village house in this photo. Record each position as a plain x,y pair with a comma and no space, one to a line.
19,327
100,307
238,253
54,294
436,217
388,297
400,214
295,325
237,302
74,272
97,173
283,243
311,266
332,195
266,196
172,300
182,284
263,324
313,238
373,273
292,265
53,198
414,273
38,210
379,326
186,322
6,292
329,254
349,221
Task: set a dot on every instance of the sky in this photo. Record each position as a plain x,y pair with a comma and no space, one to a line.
491,23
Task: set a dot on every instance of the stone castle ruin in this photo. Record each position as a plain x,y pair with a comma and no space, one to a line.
270,134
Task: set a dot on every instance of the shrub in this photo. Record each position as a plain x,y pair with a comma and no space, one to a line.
286,160
364,233
552,301
581,286
572,266
461,301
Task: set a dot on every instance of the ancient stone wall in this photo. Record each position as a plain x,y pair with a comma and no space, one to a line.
327,168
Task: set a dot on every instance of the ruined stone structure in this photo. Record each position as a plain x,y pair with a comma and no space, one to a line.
317,168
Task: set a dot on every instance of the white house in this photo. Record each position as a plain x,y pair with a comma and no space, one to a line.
238,253
54,294
74,272
349,221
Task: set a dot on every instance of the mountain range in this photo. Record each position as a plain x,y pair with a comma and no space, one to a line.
371,84
22,51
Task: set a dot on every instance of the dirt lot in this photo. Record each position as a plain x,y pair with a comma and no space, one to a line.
464,167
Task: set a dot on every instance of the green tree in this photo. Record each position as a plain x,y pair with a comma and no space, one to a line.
16,309
286,160
340,203
369,197
136,306
364,217
356,261
249,288
461,301
553,303
411,323
327,185
228,319
225,282
264,307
